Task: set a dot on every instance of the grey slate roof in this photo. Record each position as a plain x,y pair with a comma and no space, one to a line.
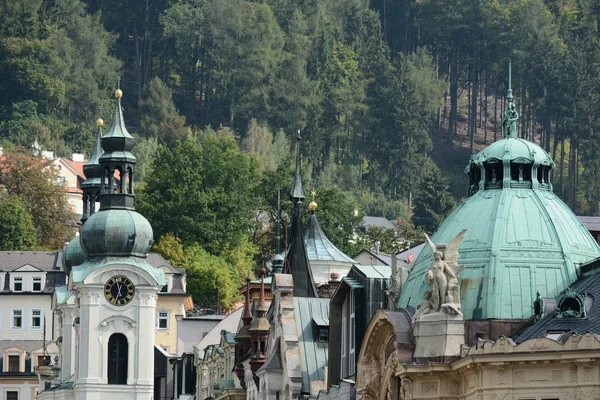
377,221
318,245
588,283
313,354
12,260
27,345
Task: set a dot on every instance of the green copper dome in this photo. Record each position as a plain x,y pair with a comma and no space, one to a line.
520,237
117,232
73,255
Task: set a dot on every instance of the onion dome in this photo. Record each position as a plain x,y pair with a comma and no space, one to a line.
73,255
117,232
520,237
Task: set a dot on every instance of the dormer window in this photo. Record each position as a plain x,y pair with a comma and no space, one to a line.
323,334
520,174
13,363
321,327
18,284
37,284
571,304
494,174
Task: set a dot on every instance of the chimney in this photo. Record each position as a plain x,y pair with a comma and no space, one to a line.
77,157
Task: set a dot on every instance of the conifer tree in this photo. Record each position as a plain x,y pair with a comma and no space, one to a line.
433,201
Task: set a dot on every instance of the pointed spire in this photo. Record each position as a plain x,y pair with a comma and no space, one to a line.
509,120
117,138
247,315
92,169
297,192
296,262
259,331
117,163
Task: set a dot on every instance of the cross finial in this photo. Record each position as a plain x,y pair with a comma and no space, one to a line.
313,193
119,81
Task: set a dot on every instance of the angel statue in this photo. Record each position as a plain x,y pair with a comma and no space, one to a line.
441,276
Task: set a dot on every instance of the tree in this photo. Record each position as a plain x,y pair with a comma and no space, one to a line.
207,190
205,273
160,119
34,182
339,216
433,201
16,226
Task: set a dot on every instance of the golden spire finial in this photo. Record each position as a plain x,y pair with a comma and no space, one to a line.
313,205
99,123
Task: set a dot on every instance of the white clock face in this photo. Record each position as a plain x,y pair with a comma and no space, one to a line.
119,290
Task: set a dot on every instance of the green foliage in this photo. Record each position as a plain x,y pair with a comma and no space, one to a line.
205,273
339,216
145,151
388,240
160,119
433,201
16,226
206,188
32,181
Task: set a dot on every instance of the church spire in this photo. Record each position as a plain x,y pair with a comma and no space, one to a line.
297,192
296,262
509,120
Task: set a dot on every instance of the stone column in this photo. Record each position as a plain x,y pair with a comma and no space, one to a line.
68,353
145,341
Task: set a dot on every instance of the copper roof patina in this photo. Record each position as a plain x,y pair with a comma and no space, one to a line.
520,237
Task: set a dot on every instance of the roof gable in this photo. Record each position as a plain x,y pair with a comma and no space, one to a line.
27,268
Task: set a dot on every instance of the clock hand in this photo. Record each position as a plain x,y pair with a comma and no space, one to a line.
119,290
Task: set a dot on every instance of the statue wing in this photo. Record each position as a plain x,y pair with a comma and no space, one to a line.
431,244
451,253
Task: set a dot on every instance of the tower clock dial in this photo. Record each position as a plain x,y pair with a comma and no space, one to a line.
119,290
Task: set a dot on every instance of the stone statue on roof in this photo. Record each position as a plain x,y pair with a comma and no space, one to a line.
444,295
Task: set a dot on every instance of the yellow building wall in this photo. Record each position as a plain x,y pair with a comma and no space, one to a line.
174,305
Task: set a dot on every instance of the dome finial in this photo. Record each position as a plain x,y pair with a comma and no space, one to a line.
118,92
313,205
509,120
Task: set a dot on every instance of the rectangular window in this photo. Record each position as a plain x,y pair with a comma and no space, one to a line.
37,284
43,360
17,319
18,285
13,363
12,395
36,319
163,319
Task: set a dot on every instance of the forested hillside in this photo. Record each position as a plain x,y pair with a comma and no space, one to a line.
390,98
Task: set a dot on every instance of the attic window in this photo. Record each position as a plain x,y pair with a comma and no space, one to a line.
321,329
555,335
323,334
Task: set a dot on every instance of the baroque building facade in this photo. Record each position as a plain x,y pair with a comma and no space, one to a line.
107,311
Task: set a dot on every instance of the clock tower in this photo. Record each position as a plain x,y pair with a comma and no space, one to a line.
116,287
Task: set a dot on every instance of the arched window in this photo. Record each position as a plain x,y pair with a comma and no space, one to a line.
117,359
